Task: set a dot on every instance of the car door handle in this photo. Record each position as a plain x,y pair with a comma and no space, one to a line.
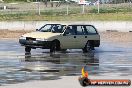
85,36
74,36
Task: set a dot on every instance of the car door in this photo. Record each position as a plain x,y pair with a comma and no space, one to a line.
80,37
88,33
85,33
68,39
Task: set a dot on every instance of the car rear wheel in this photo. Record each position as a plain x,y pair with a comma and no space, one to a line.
27,49
87,47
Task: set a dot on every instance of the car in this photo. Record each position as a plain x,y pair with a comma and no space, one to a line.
57,37
87,3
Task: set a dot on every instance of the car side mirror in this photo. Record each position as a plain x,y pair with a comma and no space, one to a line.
37,29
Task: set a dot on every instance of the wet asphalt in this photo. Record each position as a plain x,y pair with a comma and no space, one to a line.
110,58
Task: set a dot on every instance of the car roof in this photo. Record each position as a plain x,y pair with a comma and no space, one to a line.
80,24
69,24
53,24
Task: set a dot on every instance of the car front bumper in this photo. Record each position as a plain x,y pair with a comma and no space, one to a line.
35,43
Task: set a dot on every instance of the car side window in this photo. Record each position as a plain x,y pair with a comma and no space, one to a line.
70,30
60,28
82,30
56,29
79,30
90,30
45,28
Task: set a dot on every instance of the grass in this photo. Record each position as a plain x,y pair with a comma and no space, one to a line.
9,1
71,17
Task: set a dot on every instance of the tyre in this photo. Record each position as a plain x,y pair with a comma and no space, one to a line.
87,47
27,49
55,46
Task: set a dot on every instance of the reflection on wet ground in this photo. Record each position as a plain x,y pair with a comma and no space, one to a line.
16,67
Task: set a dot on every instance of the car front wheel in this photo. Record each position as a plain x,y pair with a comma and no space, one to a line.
55,46
27,49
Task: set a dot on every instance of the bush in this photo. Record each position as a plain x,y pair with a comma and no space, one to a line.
15,0
110,10
104,10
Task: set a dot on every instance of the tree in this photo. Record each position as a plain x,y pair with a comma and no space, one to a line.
121,1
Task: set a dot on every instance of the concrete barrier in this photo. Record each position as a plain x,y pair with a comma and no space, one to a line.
123,26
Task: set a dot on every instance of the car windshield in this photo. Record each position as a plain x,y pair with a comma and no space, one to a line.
54,28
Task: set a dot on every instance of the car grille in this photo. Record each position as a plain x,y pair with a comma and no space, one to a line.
29,38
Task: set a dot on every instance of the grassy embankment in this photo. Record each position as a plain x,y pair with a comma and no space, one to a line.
73,17
9,1
120,13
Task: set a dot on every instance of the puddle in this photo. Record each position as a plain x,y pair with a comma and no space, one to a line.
16,67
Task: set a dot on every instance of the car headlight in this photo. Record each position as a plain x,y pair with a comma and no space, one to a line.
23,37
41,39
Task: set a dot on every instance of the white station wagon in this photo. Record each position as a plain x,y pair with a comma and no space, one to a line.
57,37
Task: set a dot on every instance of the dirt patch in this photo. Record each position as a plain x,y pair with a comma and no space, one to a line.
116,36
105,36
12,34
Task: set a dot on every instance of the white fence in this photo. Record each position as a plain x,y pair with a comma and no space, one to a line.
123,26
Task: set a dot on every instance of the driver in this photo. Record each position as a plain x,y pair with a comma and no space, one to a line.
55,28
